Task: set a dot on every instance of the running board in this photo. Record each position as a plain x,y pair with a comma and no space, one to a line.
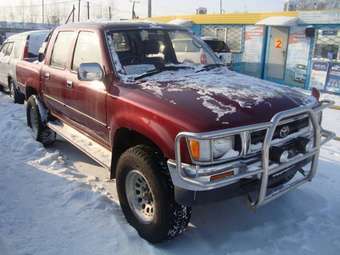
94,150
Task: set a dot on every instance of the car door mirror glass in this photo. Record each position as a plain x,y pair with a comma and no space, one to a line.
90,72
41,57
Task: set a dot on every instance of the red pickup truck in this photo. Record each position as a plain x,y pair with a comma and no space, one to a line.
174,129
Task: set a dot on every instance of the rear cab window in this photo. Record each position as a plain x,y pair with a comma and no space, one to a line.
61,49
35,41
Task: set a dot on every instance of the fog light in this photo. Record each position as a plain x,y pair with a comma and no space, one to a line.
305,145
284,157
279,155
309,146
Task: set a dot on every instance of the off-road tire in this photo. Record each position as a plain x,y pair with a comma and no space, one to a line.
18,98
40,131
170,218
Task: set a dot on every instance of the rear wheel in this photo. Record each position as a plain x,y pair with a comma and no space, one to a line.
18,98
39,129
146,196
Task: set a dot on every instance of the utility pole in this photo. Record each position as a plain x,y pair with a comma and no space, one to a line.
221,7
71,14
88,9
110,13
149,8
134,2
73,10
79,10
43,11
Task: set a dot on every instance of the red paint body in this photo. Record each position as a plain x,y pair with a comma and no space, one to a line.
101,110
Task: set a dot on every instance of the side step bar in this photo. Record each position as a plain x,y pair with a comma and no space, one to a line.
94,150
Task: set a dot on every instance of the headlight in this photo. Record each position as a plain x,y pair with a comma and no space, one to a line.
221,148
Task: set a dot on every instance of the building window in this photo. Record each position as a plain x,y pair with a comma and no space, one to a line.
231,35
327,45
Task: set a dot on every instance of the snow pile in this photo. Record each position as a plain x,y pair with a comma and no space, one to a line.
57,202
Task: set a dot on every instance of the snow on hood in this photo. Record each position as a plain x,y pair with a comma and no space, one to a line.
240,90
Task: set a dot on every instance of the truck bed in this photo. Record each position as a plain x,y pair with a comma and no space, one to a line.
28,74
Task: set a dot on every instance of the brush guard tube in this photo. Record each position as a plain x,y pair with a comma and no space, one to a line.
264,170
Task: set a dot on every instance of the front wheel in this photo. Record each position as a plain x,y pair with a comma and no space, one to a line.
39,129
146,196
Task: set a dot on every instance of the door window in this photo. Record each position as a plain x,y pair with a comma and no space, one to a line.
327,45
9,49
61,48
3,49
87,50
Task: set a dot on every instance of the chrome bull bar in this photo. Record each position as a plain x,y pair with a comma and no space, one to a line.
264,170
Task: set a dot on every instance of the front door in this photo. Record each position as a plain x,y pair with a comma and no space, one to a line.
87,99
277,53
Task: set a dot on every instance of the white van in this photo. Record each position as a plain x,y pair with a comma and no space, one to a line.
18,47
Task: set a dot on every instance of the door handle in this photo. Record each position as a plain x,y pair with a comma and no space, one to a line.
69,84
47,76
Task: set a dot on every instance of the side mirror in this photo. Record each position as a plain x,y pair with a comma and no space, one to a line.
90,72
41,52
41,57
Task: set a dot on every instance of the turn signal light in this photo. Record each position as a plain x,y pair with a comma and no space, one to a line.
195,149
217,177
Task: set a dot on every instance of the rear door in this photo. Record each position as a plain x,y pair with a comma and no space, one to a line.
54,73
88,98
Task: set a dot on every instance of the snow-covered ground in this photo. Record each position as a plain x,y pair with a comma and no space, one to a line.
59,202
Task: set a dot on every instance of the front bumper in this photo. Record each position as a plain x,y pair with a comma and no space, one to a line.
190,188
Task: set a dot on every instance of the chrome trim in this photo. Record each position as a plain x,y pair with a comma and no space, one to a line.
183,175
75,110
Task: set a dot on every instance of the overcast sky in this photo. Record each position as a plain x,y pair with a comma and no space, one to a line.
172,7
122,8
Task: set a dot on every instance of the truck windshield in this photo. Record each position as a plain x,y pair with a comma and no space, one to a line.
141,51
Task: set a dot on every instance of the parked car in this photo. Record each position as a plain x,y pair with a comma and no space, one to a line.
221,49
300,73
173,134
190,51
18,47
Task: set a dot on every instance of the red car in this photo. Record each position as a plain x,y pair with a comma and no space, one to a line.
173,132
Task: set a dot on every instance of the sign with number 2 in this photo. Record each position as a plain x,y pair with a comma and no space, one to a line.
278,43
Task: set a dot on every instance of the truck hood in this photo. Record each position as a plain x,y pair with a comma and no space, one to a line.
220,98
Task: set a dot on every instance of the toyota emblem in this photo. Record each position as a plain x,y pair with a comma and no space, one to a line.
284,132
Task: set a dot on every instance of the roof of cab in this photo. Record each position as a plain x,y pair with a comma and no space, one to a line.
106,25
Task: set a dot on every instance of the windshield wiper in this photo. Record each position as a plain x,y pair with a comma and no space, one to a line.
159,70
209,67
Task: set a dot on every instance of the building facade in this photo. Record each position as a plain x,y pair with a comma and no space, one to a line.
294,48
